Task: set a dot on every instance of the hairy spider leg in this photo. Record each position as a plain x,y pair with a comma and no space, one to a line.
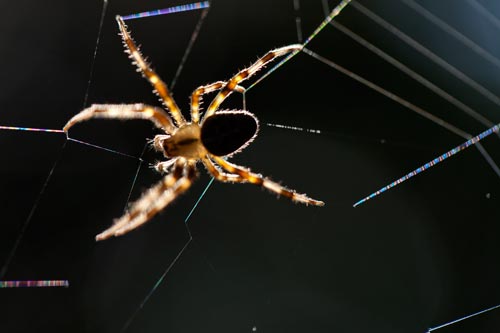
246,73
206,89
220,175
124,111
165,166
259,180
154,200
159,86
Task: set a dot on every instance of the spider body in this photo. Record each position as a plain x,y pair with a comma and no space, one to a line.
186,142
210,140
228,132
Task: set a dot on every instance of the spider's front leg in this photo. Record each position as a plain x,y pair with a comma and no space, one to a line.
159,86
257,179
206,89
154,200
248,72
124,111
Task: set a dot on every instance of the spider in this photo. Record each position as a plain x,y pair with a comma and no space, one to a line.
211,140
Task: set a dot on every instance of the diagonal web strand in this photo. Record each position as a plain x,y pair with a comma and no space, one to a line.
390,95
453,32
199,199
463,318
428,53
104,148
169,10
139,165
406,104
414,75
298,20
485,13
27,222
92,65
419,78
193,39
171,265
157,284
439,159
336,11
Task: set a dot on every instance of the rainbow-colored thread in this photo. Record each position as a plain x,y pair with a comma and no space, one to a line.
30,129
439,159
170,10
34,284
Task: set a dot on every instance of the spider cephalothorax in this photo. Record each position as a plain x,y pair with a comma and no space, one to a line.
218,135
223,134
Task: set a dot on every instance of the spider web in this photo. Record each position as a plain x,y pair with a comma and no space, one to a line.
422,255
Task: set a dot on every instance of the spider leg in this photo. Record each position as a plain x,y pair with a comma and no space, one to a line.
219,175
259,180
159,86
246,73
202,90
154,200
165,166
124,111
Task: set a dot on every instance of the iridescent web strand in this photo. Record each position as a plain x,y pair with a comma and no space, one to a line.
439,159
336,11
30,129
162,277
34,284
463,318
427,53
170,10
406,104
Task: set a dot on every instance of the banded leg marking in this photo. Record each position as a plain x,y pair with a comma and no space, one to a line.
159,86
153,201
246,73
206,89
219,175
265,182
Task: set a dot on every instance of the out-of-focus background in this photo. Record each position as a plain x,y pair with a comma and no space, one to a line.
421,254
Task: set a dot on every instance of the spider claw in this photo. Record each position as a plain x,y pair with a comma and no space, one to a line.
102,236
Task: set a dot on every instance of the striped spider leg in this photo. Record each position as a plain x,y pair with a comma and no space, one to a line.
247,73
155,199
219,135
159,87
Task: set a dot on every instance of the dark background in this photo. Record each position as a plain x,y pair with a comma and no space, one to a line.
418,256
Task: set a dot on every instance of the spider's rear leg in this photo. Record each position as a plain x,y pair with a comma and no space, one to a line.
154,200
206,89
259,180
124,111
219,175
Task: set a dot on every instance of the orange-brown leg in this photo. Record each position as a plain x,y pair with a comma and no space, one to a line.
246,73
219,175
159,86
206,89
124,111
154,200
259,180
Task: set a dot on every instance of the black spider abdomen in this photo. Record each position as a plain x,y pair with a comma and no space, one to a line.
226,132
